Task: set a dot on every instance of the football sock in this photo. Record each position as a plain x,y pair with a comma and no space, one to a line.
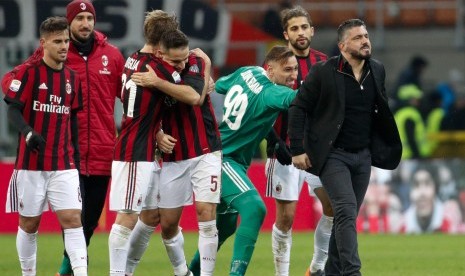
252,211
118,244
65,267
322,236
208,246
281,243
175,250
226,225
138,243
26,245
75,245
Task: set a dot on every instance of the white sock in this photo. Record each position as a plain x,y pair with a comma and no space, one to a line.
26,245
321,241
281,244
118,244
208,246
75,245
175,250
138,243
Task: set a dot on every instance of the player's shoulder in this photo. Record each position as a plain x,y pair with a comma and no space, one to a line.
108,48
320,55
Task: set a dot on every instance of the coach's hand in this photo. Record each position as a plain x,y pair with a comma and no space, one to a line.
34,141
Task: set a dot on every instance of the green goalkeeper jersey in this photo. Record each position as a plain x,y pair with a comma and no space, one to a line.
251,106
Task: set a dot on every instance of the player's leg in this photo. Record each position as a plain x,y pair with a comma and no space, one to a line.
206,181
175,192
322,232
149,218
133,179
93,193
226,223
65,198
28,199
281,236
283,184
252,211
140,238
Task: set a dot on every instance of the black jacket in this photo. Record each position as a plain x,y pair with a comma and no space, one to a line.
320,103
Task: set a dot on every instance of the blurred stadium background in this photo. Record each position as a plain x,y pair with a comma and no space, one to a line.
232,33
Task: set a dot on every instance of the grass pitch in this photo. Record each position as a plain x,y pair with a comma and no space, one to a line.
381,255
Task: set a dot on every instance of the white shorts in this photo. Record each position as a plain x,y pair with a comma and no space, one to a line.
285,182
201,175
30,191
134,186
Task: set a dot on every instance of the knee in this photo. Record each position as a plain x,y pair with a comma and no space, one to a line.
205,211
256,211
169,229
29,225
327,209
346,212
71,219
150,217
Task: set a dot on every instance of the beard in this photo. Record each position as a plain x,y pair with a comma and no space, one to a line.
299,46
360,56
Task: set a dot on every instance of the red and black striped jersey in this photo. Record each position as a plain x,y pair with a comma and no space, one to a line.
194,127
305,63
142,110
47,97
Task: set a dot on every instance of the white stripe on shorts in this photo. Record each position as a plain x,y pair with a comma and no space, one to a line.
237,180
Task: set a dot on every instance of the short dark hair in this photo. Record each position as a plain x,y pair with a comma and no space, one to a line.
53,24
174,39
278,53
296,11
346,25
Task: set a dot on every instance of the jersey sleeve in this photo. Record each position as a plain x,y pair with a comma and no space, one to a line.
279,97
77,103
20,88
223,84
194,74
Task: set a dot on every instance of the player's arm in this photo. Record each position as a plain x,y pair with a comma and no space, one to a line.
34,141
33,59
193,79
75,140
300,107
182,93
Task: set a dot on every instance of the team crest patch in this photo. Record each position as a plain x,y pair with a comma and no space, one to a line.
278,188
194,69
104,60
14,86
176,77
83,6
68,87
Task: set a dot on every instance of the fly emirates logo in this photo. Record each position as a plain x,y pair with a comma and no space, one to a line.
53,107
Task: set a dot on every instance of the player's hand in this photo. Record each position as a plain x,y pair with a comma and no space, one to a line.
211,86
147,79
201,54
283,153
165,142
35,142
301,162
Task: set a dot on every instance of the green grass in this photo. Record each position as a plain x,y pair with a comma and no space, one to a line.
381,255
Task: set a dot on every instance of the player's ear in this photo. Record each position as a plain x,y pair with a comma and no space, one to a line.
286,36
269,69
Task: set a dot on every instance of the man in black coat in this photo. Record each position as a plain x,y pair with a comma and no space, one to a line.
348,128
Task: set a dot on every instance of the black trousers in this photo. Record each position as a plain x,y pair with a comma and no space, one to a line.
345,178
93,193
